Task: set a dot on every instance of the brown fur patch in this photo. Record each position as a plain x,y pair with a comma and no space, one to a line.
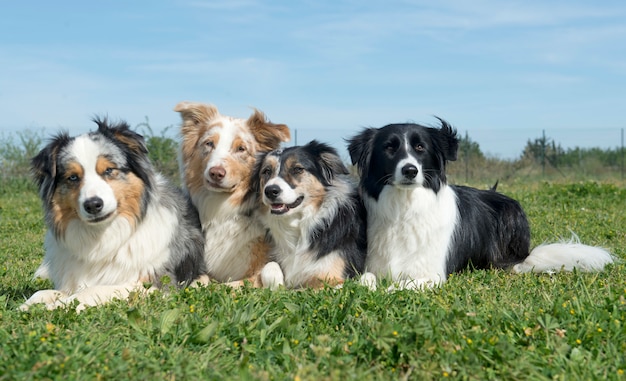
240,147
64,206
332,277
196,122
102,164
194,113
129,192
259,258
271,162
133,141
314,189
236,199
239,166
194,157
267,134
311,186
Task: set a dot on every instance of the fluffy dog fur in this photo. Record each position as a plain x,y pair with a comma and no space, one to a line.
314,216
421,229
113,223
218,154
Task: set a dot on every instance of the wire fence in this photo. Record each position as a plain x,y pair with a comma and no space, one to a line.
490,155
485,155
595,154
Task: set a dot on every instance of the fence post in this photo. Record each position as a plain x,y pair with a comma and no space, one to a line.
543,154
622,153
466,157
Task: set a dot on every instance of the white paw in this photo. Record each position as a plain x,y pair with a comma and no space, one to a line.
368,280
272,276
412,284
47,297
202,280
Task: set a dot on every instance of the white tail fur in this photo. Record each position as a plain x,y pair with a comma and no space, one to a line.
565,256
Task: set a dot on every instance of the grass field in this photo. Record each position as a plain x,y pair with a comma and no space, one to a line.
480,325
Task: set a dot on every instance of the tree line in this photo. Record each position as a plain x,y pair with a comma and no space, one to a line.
542,156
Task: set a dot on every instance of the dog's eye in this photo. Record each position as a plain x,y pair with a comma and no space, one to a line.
108,172
297,170
241,149
209,144
266,171
73,178
420,148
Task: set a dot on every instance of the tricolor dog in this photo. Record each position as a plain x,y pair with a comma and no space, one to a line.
113,223
421,229
315,217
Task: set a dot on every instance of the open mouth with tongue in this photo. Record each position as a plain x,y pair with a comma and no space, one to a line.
284,208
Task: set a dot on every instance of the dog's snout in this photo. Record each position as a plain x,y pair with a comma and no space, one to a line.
272,191
217,173
409,171
93,205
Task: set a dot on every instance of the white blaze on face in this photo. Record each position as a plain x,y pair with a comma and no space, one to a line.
230,151
409,159
224,137
87,152
287,194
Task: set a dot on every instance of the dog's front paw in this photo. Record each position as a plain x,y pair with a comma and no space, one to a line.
368,280
412,284
47,297
272,276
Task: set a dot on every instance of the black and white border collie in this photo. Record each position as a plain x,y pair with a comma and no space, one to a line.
113,223
316,220
420,229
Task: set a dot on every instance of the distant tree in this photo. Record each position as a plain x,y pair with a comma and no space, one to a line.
162,150
470,159
469,149
543,150
578,156
15,155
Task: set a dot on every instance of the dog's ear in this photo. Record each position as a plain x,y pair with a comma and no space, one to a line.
269,135
44,165
121,133
132,145
195,114
329,162
360,148
448,140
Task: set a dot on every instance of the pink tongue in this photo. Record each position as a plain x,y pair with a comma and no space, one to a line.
278,206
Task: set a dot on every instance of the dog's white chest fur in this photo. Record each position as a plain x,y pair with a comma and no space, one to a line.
291,248
113,255
230,237
410,232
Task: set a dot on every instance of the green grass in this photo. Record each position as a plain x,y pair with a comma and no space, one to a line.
480,325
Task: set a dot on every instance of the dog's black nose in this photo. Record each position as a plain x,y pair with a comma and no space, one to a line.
93,205
272,191
409,171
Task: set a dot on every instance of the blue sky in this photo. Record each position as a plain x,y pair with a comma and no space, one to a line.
501,70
